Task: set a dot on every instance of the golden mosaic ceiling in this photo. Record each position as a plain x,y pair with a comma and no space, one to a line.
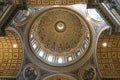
108,54
10,54
59,35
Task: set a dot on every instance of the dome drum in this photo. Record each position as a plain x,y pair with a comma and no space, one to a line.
59,37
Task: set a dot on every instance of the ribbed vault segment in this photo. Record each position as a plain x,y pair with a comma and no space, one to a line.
108,55
10,55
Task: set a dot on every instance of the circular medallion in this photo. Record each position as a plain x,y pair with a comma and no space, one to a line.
31,72
59,36
88,73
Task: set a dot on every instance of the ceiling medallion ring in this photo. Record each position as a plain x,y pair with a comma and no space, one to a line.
60,26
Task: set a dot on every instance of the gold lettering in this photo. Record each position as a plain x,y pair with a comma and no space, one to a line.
77,1
45,2
52,2
71,2
38,2
31,2
64,2
58,2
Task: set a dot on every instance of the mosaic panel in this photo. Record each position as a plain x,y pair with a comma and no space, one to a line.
54,2
108,55
10,54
